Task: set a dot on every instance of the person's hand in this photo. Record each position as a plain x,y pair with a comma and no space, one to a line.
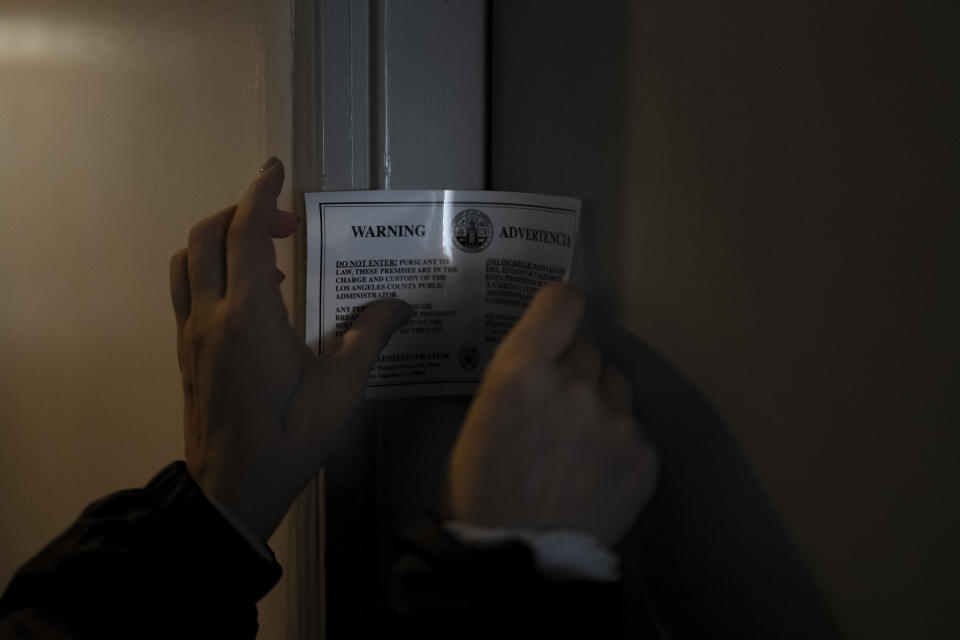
261,412
550,440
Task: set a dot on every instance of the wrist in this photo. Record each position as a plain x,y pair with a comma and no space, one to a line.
255,541
257,512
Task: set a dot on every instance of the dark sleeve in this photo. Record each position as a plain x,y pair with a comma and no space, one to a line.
143,563
441,588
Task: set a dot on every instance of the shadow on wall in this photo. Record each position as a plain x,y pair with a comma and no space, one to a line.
709,554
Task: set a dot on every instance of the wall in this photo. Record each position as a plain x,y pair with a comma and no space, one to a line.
121,124
793,249
771,206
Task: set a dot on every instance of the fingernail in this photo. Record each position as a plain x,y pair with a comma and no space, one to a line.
272,160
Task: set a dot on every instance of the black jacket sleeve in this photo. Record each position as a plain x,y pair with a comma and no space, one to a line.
442,588
144,563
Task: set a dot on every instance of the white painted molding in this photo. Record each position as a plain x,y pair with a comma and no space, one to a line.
387,94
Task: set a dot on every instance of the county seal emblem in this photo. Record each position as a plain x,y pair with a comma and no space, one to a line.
472,230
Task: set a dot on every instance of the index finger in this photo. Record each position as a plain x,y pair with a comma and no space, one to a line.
549,325
251,258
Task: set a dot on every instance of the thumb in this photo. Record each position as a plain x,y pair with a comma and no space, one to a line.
368,336
330,388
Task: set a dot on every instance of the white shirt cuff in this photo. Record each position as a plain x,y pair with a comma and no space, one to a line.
258,545
558,553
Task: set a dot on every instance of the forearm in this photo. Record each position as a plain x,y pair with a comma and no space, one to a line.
154,562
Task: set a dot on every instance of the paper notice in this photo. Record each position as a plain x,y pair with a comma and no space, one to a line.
469,262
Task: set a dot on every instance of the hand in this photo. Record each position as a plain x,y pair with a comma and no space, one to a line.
261,412
550,440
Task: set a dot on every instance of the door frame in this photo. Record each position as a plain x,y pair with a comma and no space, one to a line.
386,94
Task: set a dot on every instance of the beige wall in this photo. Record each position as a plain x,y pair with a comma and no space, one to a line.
121,123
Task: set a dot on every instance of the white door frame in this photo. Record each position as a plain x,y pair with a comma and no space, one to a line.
387,94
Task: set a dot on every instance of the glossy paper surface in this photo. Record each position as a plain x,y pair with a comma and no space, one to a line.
468,261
